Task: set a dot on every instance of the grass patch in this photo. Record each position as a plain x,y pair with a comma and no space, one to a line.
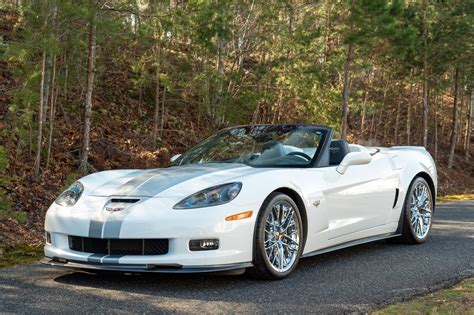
6,212
456,300
11,255
454,197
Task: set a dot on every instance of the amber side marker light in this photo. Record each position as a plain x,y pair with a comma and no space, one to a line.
239,216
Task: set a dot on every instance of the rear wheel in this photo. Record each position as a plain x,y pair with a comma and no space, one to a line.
278,238
418,212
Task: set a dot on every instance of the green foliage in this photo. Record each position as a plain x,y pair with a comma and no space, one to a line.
11,255
233,62
70,179
3,160
5,204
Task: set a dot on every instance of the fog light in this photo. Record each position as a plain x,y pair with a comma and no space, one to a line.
208,244
48,238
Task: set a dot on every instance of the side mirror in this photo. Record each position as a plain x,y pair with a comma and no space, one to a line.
353,158
175,157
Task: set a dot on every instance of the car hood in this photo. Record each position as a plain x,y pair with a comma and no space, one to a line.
173,180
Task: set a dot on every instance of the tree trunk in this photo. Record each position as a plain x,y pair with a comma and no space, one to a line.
157,87
377,126
454,129
408,123
425,109
469,125
397,121
40,117
84,166
372,123
51,112
364,110
460,115
66,73
47,80
425,76
162,124
435,149
346,90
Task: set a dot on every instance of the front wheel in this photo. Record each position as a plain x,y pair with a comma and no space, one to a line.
278,238
417,212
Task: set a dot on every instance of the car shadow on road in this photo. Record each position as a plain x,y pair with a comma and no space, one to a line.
313,271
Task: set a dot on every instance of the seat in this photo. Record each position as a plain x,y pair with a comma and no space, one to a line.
272,149
337,151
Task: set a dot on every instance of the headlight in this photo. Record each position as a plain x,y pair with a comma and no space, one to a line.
71,195
213,196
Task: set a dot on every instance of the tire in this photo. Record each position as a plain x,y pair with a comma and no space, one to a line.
415,231
288,239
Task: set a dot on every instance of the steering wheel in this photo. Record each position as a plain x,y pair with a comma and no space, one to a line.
300,154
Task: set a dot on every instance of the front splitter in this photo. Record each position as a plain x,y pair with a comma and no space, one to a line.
238,268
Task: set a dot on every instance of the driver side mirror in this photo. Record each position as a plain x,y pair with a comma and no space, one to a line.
353,158
175,157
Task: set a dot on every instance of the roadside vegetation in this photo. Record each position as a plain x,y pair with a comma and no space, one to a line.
11,255
458,299
455,197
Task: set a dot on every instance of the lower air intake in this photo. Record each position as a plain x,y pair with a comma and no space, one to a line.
139,247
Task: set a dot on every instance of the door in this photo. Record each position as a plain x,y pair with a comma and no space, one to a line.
361,199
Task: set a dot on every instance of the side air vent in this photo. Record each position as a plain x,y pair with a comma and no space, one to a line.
397,192
125,200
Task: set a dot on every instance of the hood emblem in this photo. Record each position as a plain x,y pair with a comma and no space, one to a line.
114,209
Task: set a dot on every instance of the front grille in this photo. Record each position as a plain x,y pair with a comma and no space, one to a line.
113,246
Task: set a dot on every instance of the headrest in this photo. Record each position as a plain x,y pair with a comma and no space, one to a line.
337,151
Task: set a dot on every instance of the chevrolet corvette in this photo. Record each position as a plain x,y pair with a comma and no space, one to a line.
251,198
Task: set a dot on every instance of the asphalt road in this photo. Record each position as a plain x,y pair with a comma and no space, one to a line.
355,279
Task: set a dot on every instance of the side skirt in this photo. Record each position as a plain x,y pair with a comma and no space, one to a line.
351,243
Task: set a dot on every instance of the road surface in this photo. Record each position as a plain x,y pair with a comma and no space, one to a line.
355,279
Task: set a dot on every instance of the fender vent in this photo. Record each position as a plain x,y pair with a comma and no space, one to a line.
397,192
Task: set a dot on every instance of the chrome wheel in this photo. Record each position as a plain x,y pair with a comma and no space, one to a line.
282,236
421,210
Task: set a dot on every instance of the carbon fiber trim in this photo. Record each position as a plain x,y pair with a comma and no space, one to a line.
156,268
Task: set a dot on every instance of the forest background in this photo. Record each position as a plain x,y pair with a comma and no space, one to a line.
100,84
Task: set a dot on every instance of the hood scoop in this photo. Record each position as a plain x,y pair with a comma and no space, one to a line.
124,200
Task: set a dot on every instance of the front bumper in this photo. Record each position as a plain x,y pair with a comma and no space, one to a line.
238,268
144,221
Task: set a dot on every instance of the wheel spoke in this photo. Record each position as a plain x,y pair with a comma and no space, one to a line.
290,239
288,221
271,245
290,248
426,215
282,257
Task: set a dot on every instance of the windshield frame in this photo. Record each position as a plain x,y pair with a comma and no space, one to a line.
326,134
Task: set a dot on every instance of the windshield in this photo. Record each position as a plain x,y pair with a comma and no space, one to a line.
261,145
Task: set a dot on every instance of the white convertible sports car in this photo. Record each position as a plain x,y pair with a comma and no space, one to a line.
254,198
